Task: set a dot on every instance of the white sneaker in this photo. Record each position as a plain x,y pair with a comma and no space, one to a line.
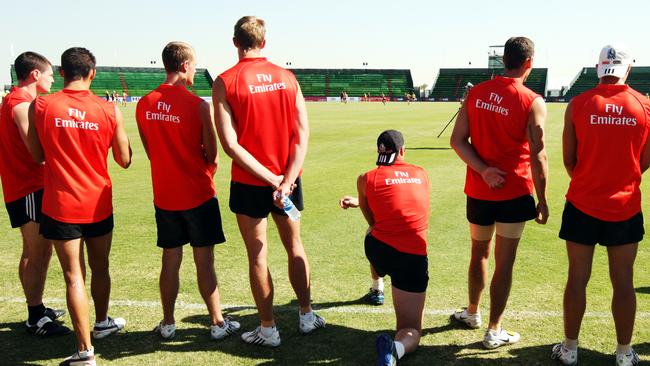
566,356
257,338
498,338
166,331
310,324
471,320
108,327
630,359
219,332
83,358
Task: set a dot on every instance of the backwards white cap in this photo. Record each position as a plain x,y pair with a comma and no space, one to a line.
613,61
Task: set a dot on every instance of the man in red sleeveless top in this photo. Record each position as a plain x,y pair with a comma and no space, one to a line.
262,124
22,186
72,131
499,134
394,199
179,137
605,148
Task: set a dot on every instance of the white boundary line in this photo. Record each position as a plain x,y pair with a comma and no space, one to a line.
360,309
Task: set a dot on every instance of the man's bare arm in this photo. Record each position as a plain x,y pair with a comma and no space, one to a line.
120,145
459,141
569,141
363,200
209,135
228,137
299,151
538,157
31,139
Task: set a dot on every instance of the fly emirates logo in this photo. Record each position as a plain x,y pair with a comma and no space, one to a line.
77,120
266,84
613,116
402,178
493,104
163,114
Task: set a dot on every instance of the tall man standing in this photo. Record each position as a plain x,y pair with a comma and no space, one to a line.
22,187
499,134
72,131
262,124
179,138
605,148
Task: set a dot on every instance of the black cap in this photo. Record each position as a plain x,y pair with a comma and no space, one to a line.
389,143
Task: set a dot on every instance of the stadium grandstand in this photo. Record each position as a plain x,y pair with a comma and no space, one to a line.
356,82
587,78
136,81
450,83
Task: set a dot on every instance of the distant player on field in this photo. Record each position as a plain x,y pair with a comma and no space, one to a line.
72,131
124,95
394,199
499,134
22,187
262,124
605,148
179,137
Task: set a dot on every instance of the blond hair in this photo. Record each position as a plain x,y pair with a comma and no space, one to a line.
174,54
249,32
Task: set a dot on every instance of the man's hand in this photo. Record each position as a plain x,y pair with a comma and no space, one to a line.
494,177
348,202
284,189
542,213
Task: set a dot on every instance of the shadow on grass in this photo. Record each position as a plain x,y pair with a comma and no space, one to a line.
22,348
475,354
642,348
334,344
643,290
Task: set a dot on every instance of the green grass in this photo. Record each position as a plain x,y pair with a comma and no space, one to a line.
341,147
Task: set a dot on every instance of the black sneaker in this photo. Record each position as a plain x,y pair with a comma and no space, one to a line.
45,327
53,314
375,297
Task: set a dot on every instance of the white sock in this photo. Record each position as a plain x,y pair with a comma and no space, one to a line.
399,348
571,344
378,284
86,353
267,331
307,316
623,349
102,323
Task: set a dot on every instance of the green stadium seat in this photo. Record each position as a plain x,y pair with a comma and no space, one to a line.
136,81
451,82
587,78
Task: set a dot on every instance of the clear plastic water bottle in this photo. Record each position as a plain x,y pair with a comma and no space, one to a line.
290,209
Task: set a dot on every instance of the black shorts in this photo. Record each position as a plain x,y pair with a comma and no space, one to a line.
484,213
257,201
199,226
581,228
57,230
408,272
25,209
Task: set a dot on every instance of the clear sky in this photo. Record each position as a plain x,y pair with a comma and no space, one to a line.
419,35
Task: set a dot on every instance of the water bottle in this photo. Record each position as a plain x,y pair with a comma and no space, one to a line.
290,209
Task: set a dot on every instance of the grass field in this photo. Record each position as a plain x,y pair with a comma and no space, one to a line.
341,147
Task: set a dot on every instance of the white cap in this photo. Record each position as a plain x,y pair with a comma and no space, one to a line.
613,61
